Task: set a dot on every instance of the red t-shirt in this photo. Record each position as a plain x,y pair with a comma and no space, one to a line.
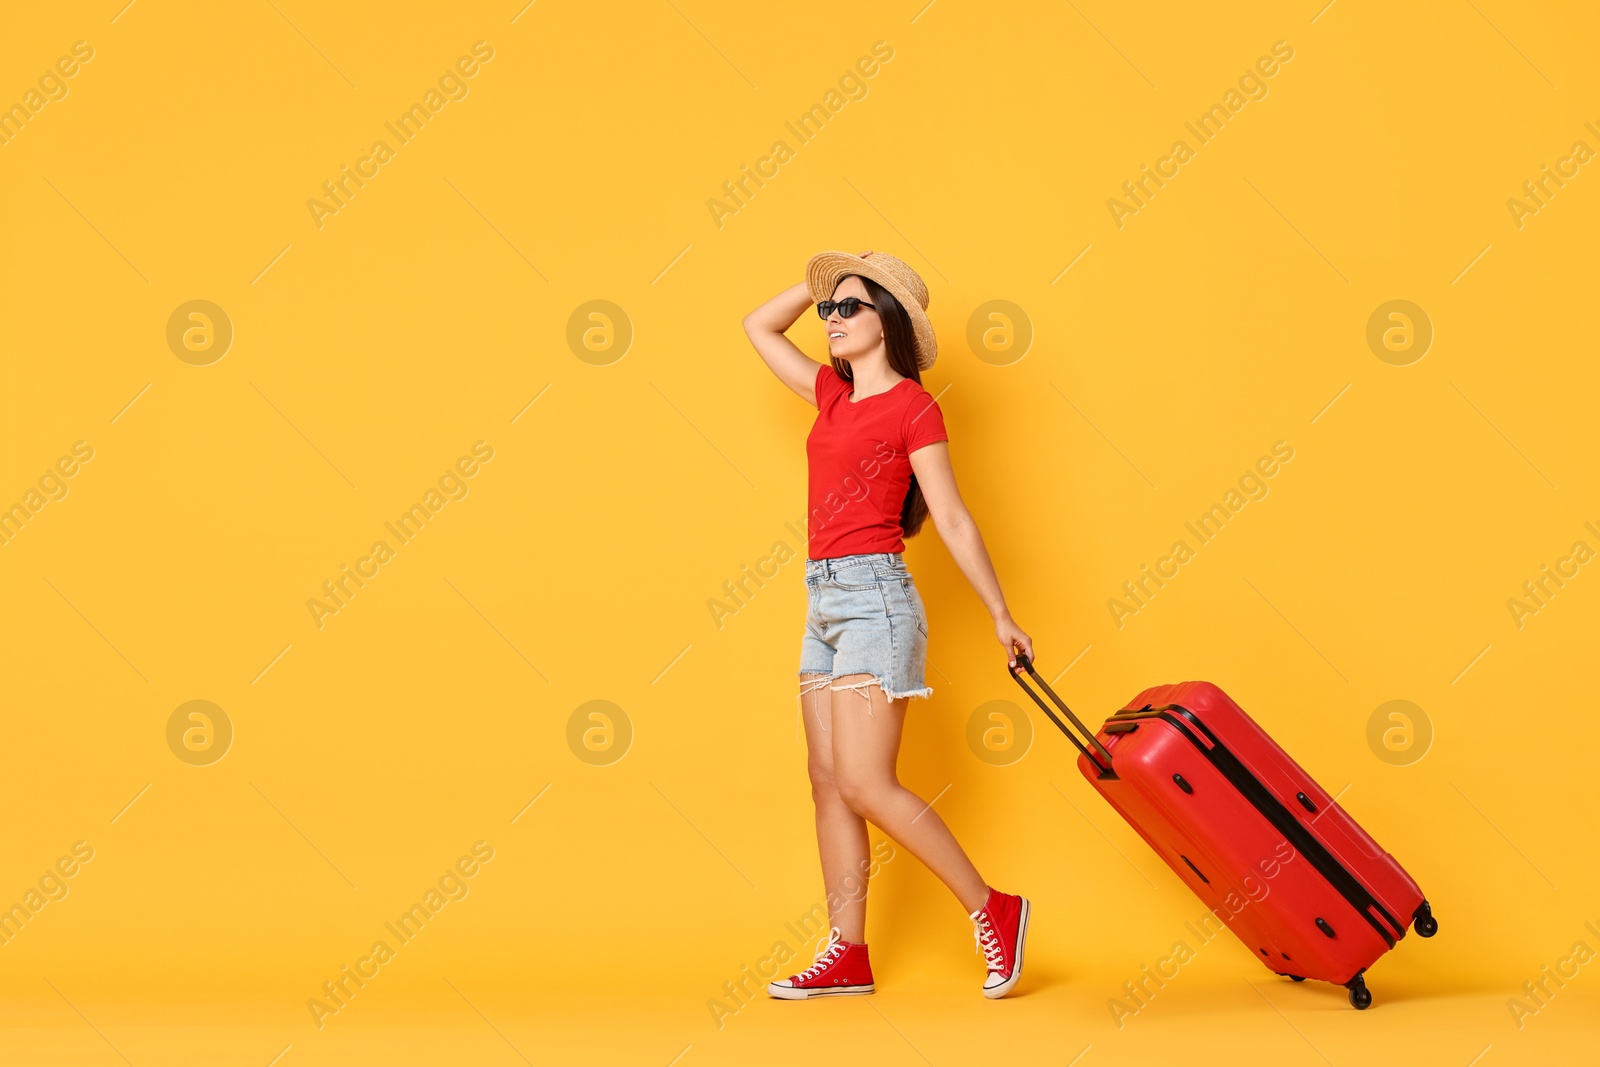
859,460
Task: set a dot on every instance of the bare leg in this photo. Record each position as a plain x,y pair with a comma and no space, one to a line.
866,746
841,833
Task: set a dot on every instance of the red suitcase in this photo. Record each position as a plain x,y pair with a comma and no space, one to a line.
1263,845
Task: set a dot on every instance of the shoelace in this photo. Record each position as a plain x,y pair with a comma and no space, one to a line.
831,952
988,942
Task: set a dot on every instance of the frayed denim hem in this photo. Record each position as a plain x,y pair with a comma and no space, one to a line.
859,688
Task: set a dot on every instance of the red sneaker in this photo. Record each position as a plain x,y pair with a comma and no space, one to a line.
842,968
1000,927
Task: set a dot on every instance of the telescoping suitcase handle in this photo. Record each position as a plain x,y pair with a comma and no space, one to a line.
1100,757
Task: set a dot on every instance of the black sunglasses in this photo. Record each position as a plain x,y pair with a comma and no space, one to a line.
846,307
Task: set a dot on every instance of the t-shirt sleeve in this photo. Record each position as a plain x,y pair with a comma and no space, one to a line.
828,382
924,423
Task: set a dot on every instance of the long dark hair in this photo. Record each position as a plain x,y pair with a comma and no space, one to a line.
900,339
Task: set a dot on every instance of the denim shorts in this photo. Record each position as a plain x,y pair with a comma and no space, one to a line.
864,616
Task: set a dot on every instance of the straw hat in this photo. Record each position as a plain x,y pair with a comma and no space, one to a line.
826,268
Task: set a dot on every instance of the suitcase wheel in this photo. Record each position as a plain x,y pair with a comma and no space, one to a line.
1425,924
1297,977
1360,997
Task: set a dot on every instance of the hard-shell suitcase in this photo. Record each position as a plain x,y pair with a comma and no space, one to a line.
1257,839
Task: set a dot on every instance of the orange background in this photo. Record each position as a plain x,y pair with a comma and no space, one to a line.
628,482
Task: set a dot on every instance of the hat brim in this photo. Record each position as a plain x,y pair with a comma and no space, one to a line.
822,277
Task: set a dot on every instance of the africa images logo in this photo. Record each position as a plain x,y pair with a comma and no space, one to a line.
452,85
1252,85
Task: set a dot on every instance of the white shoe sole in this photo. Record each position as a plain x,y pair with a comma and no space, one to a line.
1016,972
789,992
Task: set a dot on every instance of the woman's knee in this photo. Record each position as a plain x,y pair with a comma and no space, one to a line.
824,786
863,793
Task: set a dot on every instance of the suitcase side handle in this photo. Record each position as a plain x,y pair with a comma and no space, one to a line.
1102,761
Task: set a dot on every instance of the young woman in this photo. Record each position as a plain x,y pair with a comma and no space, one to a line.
878,466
